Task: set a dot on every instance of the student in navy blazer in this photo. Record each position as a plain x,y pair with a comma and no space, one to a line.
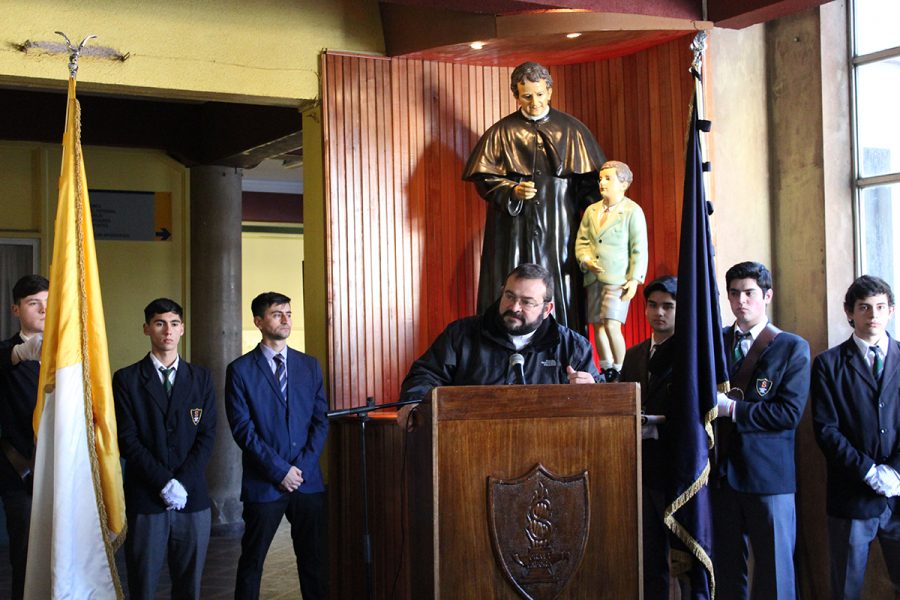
275,401
166,417
754,480
856,417
20,368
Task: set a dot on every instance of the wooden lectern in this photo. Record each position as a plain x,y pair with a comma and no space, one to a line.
526,492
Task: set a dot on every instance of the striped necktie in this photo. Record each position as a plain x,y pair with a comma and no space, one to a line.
167,379
281,375
738,352
877,362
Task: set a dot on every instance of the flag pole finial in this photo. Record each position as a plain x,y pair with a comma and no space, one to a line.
74,52
698,47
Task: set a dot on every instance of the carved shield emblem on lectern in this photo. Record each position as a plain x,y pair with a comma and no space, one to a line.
539,527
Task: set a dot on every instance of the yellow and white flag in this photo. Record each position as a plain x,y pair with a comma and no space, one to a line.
78,510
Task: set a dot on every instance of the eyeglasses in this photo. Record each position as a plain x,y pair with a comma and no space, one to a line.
526,303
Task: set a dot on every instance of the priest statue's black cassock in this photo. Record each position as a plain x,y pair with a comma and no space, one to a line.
558,153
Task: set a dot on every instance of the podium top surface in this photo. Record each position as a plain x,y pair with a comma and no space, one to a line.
535,401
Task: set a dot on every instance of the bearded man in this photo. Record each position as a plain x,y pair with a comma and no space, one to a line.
477,350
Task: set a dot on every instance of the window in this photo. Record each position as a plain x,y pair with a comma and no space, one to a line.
875,60
18,257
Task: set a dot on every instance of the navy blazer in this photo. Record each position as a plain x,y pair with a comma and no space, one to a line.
857,425
273,435
759,457
18,396
164,438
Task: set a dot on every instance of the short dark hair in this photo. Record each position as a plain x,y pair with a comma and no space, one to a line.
265,300
750,270
623,171
866,286
666,283
161,306
534,271
530,71
28,286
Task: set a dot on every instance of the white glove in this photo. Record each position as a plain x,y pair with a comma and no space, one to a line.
884,480
725,405
28,350
174,495
649,432
871,478
889,479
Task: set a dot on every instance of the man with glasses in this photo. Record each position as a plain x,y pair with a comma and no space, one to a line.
477,350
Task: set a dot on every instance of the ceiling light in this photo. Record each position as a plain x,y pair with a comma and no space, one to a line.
476,45
572,36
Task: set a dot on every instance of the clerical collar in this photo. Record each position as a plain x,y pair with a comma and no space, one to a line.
539,117
520,341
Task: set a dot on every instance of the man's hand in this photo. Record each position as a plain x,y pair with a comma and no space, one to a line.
629,290
525,190
292,480
579,376
28,350
725,405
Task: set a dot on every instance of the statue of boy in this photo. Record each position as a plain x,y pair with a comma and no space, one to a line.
611,248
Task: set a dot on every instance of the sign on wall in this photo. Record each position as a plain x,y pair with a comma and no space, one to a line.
134,216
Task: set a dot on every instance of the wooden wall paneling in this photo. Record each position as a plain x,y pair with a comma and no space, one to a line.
399,148
406,231
333,110
387,510
384,337
366,211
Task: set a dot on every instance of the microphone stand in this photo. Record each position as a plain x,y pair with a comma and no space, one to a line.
363,412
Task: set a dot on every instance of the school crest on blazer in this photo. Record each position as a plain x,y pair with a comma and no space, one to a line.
196,413
763,386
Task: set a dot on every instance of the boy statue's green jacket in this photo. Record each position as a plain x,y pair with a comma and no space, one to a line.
618,243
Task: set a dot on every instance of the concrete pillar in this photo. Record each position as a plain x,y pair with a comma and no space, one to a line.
215,321
812,229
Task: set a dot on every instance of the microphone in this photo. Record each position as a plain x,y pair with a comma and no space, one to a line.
517,364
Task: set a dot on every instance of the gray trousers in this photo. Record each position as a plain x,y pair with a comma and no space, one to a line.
183,536
849,541
768,524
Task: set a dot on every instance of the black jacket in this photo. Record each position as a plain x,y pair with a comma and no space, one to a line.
655,376
857,424
476,351
18,395
161,438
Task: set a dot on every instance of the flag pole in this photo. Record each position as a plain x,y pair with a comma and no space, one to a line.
699,366
78,506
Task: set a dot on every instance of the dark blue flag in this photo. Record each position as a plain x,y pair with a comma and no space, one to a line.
698,369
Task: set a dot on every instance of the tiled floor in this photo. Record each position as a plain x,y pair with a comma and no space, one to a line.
279,575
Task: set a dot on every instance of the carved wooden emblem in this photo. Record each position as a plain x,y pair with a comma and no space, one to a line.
539,527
